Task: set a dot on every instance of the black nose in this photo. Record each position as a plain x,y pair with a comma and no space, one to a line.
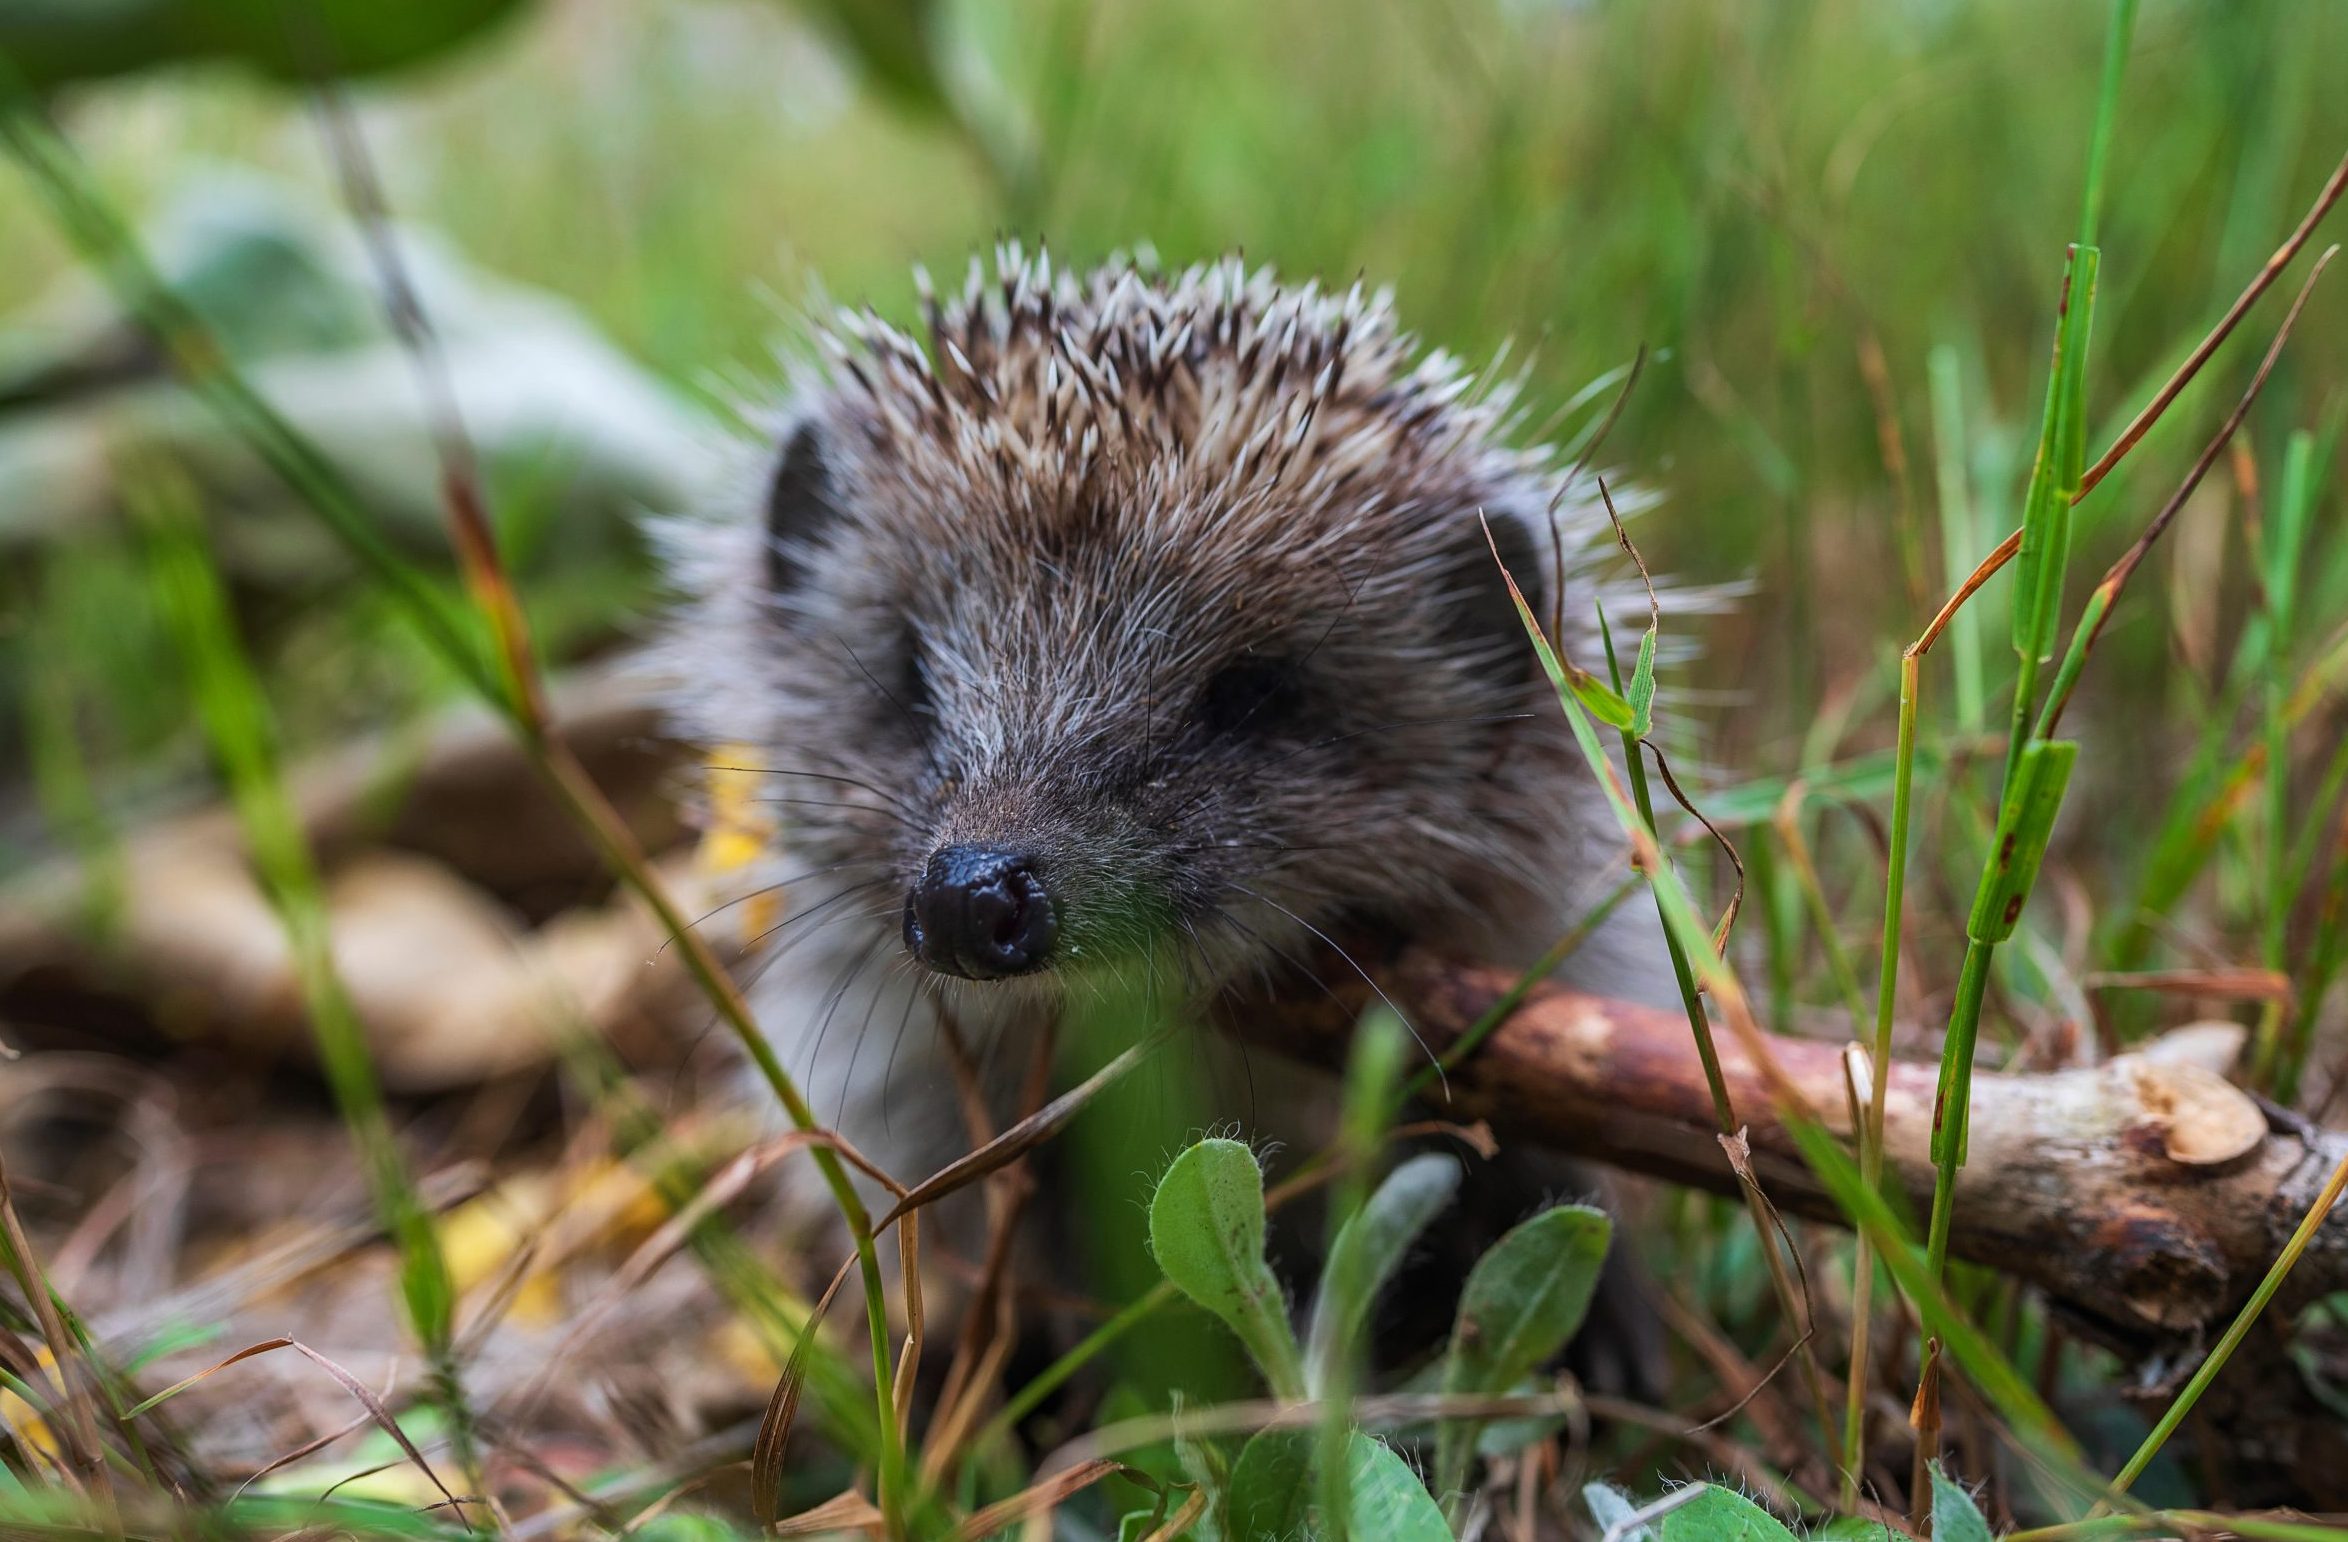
981,913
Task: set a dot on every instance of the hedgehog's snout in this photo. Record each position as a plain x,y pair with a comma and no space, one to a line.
981,912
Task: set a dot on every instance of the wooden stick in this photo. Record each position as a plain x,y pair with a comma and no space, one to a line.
2147,1195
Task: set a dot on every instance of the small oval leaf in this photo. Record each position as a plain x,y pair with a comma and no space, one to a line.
1207,1230
1525,1298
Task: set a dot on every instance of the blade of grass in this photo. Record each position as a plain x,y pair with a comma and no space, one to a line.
236,720
1870,1126
1373,1069
1956,524
2279,1060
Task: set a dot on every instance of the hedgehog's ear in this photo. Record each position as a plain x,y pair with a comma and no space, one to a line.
801,498
1483,617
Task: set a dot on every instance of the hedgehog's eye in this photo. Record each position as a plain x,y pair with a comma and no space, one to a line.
1251,695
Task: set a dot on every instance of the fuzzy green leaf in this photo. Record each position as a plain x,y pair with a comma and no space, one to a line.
1525,1298
1719,1515
1271,1491
1368,1250
1207,1231
1955,1518
1390,1504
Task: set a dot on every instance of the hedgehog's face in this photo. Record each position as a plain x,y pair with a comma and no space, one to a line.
1042,740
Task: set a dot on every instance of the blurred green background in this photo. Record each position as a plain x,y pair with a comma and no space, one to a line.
1791,205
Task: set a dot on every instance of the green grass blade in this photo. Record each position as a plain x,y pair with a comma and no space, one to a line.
237,721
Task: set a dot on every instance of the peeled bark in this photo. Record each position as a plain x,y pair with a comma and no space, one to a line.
2147,1195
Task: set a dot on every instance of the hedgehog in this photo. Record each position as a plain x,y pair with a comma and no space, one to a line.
1128,620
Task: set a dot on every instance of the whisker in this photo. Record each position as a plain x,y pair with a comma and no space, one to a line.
891,799
768,964
817,908
913,997
1440,1079
928,749
776,887
861,808
839,993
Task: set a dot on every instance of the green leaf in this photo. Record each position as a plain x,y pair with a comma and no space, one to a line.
1854,1528
1390,1504
1718,1515
1272,1486
1599,699
2054,479
1207,1230
1642,690
1368,1250
1955,1518
1525,1298
52,42
1271,1489
2024,825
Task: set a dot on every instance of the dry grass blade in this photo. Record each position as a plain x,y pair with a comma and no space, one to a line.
177,1387
1024,1136
2259,284
1040,1500
725,1186
307,1448
2136,430
844,1512
909,1358
2107,592
82,1446
774,1429
1179,1523
382,1418
2241,984
1986,570
990,1319
1736,898
1740,1158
